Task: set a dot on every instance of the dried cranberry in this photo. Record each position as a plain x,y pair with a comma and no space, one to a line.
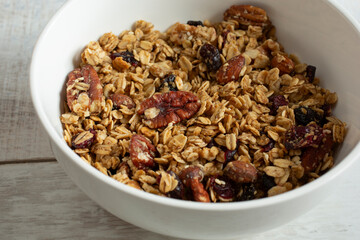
126,56
222,188
195,23
224,35
179,191
276,102
211,56
229,155
304,136
305,115
169,82
310,73
248,192
84,139
268,146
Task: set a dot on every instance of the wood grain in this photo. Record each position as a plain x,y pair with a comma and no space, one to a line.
39,201
21,136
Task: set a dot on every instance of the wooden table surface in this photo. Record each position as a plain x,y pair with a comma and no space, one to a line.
39,201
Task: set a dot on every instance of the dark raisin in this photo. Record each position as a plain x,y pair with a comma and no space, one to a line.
195,23
248,192
305,115
211,56
229,155
267,182
179,191
126,56
222,188
275,102
169,82
303,136
310,73
268,146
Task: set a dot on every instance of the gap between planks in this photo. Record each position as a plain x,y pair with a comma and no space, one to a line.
31,160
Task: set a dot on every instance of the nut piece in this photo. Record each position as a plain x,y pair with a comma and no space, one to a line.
230,71
283,63
84,139
162,109
240,172
119,99
247,15
192,177
142,152
312,156
84,92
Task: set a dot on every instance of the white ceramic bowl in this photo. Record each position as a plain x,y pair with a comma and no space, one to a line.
316,31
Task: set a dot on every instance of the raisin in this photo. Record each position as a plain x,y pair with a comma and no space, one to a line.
224,35
211,56
310,73
126,56
169,82
248,192
195,23
305,115
179,191
276,102
229,155
222,188
304,136
267,182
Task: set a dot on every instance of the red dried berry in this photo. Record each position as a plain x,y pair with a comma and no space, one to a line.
276,102
222,188
84,139
304,136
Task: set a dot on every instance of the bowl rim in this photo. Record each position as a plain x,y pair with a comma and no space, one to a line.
231,206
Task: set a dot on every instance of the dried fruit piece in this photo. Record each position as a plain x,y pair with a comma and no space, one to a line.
230,71
192,177
221,189
211,56
179,190
247,192
312,156
195,23
229,155
84,92
283,63
303,136
84,139
142,152
305,115
276,102
119,99
126,56
169,82
310,73
247,15
240,172
162,109
268,146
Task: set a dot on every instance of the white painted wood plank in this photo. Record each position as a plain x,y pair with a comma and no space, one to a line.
21,22
38,201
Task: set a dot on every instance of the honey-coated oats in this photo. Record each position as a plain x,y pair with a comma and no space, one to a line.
203,111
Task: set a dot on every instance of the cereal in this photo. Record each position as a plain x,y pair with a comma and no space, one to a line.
209,112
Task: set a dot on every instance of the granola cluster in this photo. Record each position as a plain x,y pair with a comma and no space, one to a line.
205,111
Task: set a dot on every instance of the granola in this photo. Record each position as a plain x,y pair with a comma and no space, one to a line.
209,112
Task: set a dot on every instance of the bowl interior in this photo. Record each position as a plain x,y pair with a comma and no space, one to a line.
313,30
